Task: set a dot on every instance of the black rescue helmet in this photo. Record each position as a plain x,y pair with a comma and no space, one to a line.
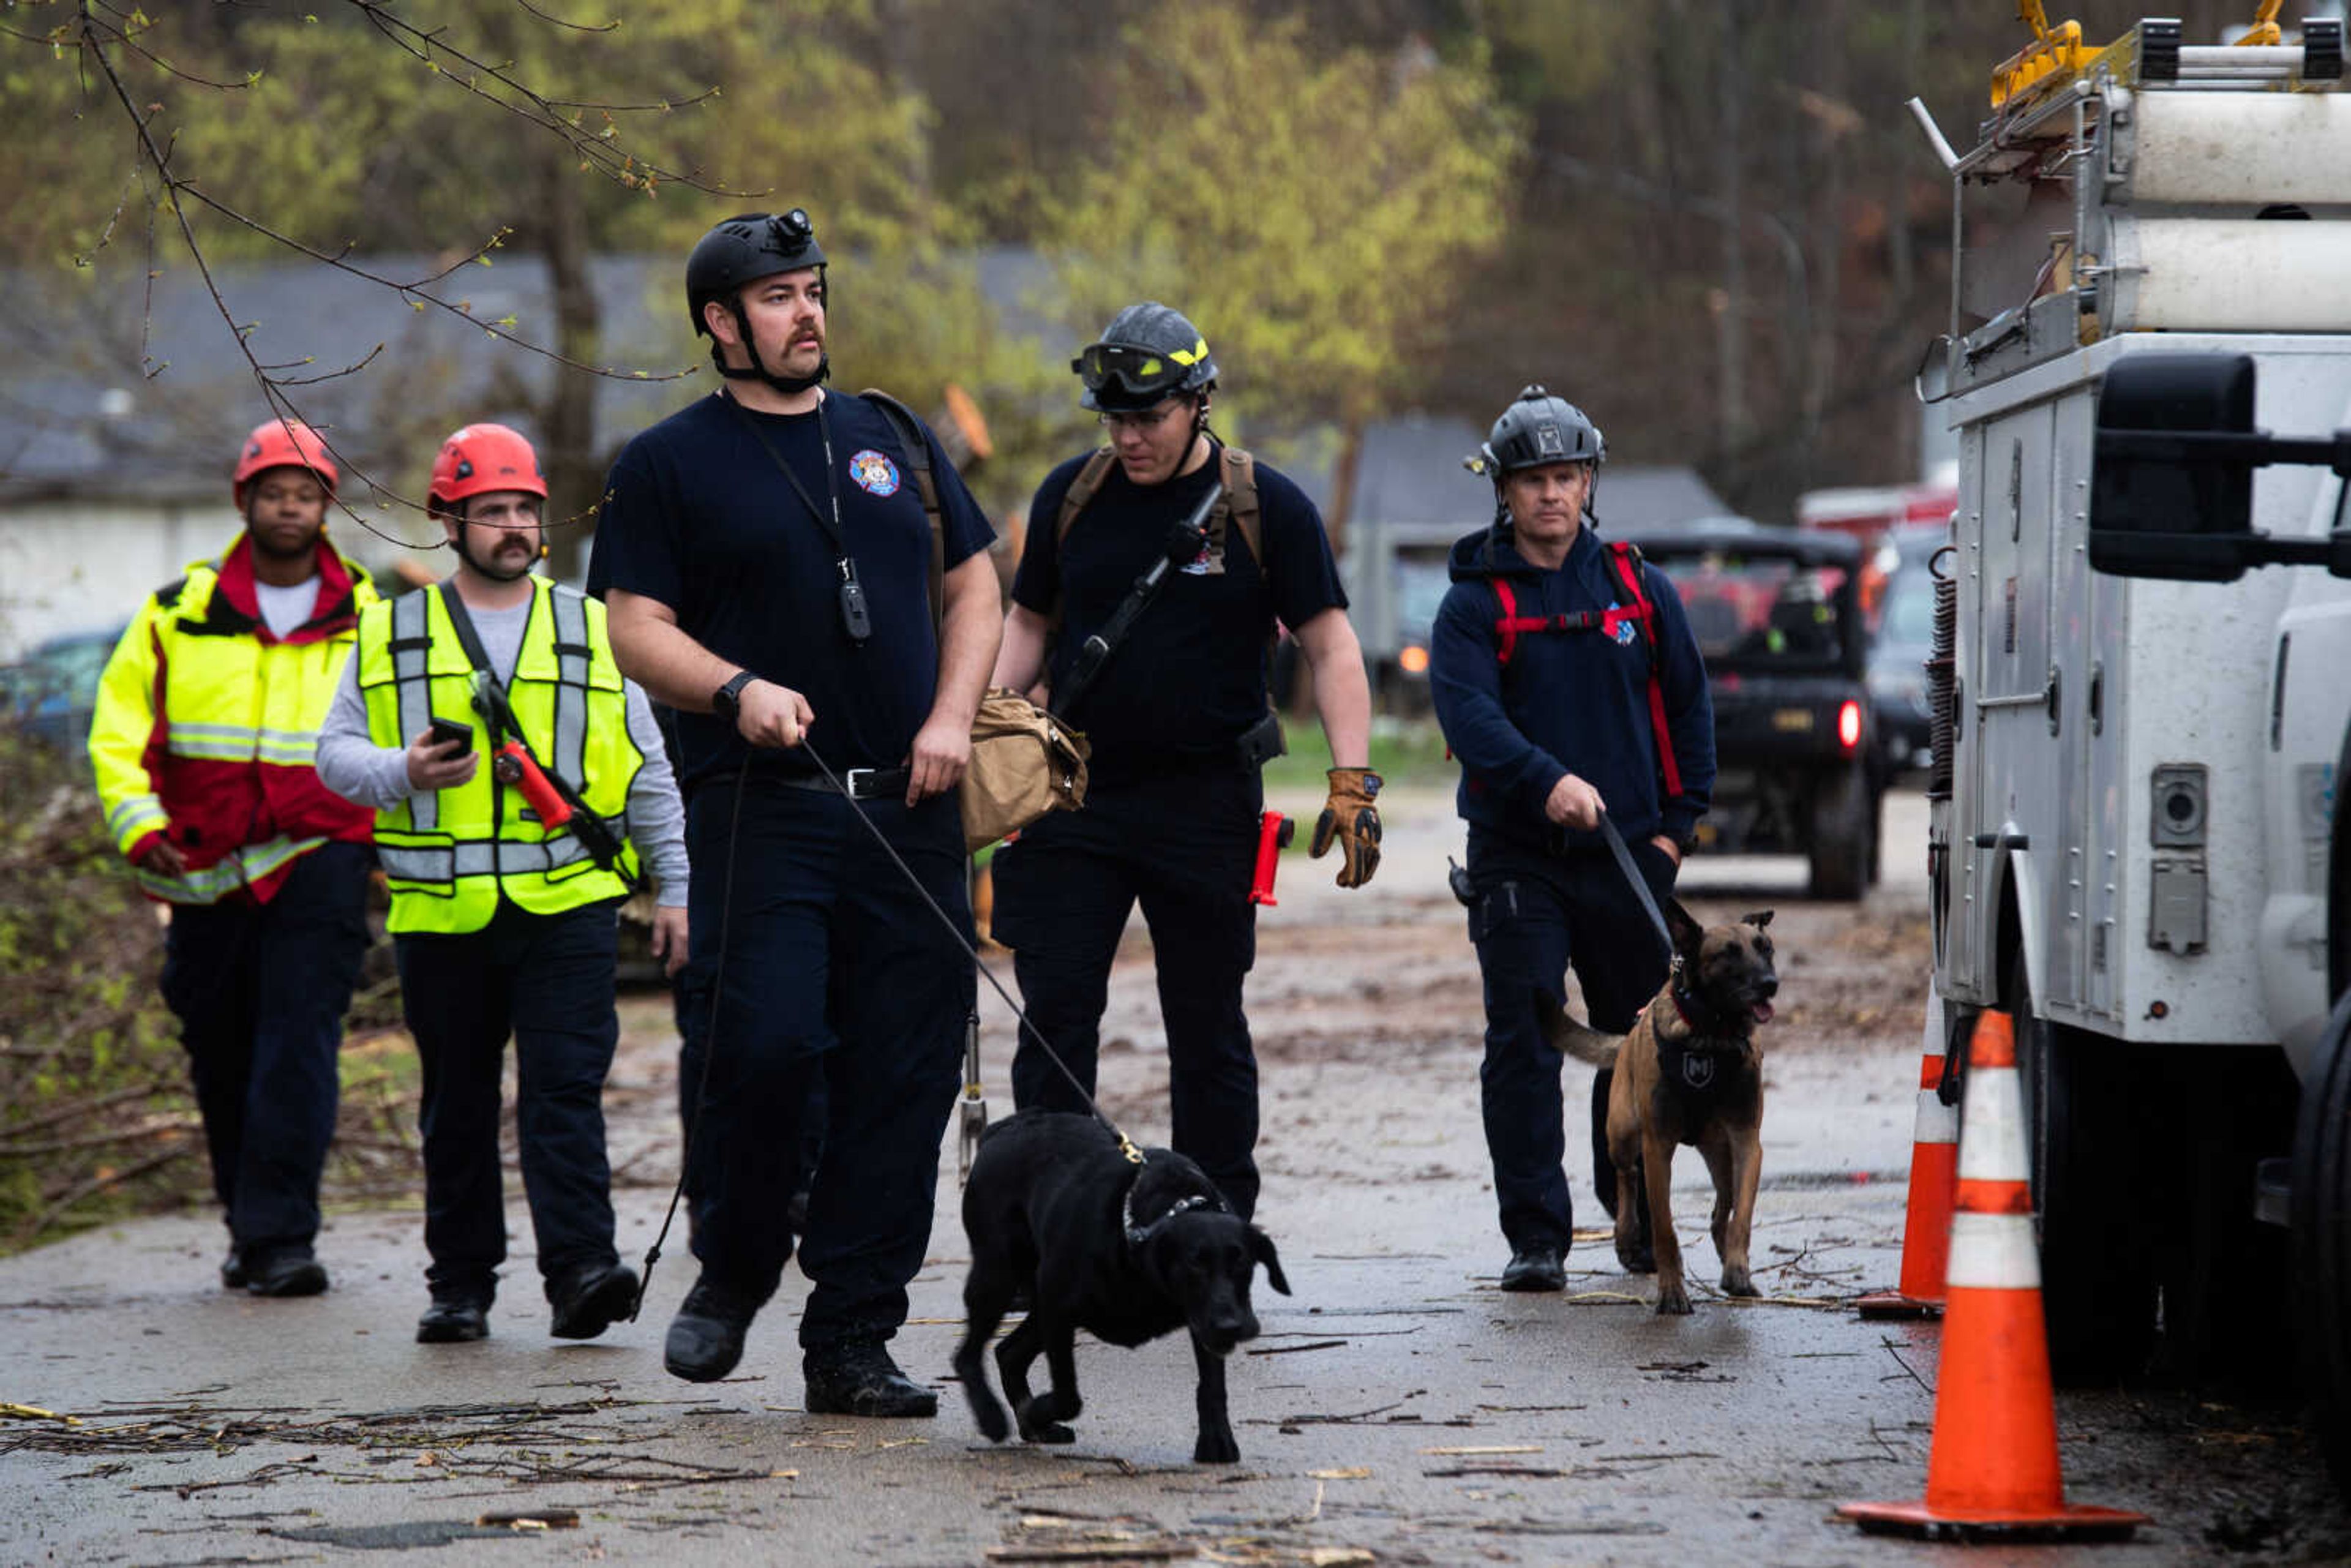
1535,430
745,247
1146,352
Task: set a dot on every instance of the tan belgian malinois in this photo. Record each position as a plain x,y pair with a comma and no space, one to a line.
1690,1072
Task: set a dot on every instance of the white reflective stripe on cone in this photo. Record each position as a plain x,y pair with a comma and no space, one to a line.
1992,1252
1993,1149
1938,1123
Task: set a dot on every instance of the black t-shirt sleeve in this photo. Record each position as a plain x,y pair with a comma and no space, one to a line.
636,549
1304,578
1038,582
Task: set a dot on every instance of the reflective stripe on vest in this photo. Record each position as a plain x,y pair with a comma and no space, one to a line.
482,857
450,856
411,639
213,883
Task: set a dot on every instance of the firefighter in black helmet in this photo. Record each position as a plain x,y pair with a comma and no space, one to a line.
768,557
1568,683
1179,719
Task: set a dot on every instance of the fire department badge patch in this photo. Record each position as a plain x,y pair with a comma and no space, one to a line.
874,473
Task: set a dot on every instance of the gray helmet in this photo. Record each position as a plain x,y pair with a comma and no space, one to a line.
1535,430
745,247
1146,352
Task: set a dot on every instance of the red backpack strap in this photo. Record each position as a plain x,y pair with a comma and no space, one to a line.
1625,558
1506,624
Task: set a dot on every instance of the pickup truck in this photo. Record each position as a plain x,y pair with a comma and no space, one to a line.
1777,615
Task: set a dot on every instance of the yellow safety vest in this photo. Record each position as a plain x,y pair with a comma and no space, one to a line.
448,855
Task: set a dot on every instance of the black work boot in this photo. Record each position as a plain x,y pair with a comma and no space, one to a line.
292,1272
233,1277
705,1338
591,1300
857,1377
1538,1267
453,1318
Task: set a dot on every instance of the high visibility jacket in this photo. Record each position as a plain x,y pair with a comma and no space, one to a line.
206,724
448,854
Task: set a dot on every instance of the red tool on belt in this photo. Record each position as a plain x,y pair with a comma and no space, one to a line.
1274,832
516,767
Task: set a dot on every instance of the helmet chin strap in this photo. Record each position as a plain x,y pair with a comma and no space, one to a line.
790,386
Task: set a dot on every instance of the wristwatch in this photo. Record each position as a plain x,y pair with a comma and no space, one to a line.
726,702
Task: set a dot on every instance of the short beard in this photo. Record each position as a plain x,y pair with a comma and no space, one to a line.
261,546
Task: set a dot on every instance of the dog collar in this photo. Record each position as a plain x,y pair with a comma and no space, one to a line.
1136,1234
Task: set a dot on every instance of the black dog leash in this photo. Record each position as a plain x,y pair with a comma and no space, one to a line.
1126,1145
1640,884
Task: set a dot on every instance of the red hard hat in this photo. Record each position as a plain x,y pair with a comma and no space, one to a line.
271,446
479,459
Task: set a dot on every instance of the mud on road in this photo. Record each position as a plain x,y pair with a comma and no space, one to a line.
1397,1409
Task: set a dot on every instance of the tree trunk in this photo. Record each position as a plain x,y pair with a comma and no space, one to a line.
1730,313
575,473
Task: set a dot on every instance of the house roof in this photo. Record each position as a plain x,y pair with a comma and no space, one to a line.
113,393
1411,473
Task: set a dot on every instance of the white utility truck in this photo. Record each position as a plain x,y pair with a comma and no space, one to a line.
2141,696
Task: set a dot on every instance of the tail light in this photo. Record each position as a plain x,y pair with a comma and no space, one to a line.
1412,659
1849,724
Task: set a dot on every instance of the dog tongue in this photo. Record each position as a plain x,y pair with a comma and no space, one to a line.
1762,1011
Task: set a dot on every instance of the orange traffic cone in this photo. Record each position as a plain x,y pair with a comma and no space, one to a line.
1934,1182
1992,1472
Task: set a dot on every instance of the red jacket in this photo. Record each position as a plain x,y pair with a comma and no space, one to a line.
207,726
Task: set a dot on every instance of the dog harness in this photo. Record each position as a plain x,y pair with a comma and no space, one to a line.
1692,1071
1624,565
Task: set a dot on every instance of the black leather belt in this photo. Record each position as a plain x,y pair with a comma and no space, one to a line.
857,783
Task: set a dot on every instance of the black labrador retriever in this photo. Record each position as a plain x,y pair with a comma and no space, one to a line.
1125,1252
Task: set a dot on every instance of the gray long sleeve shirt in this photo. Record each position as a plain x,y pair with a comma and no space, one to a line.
354,765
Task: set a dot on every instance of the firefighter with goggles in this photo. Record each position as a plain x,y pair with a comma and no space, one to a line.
202,739
1180,722
519,787
1568,683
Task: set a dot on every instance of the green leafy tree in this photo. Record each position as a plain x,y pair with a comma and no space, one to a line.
1316,210
360,130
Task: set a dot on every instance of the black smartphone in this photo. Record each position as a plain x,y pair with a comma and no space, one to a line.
449,732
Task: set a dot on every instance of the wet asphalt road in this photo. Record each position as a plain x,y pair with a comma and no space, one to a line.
1397,1410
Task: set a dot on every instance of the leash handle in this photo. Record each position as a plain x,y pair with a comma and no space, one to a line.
1640,884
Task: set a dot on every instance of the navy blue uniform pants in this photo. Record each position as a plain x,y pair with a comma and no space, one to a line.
836,969
546,981
1532,915
260,990
1183,846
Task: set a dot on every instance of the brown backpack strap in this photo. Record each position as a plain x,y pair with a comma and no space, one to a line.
1081,491
1240,503
909,430
1079,496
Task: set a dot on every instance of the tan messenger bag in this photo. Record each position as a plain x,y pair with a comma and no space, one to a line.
1024,763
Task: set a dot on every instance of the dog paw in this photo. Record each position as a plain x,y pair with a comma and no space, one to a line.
1637,1259
1736,1282
1037,1424
988,1417
1673,1301
1214,1450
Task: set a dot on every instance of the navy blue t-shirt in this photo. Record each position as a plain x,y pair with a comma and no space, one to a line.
697,516
1190,676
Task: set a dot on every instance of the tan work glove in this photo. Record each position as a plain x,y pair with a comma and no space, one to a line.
1350,816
